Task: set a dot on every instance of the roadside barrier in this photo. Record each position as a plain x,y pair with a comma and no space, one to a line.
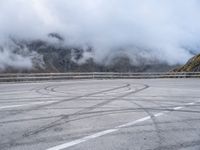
20,77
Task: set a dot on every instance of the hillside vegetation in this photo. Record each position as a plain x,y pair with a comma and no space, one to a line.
193,65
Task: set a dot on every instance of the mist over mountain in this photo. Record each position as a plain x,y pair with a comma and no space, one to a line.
44,56
97,35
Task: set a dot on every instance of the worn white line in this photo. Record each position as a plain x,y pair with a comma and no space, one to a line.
134,122
159,114
177,108
84,139
96,135
22,105
102,133
191,103
13,92
11,106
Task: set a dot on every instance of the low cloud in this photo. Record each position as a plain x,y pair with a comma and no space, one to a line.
168,31
20,58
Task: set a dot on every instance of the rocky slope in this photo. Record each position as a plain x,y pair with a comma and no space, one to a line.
193,65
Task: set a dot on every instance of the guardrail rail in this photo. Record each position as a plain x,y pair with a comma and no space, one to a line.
19,77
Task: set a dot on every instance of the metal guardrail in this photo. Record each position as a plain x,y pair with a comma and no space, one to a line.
95,75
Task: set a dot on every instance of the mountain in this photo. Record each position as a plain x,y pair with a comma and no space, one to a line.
60,57
193,65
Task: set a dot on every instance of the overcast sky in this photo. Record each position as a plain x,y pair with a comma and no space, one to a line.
165,29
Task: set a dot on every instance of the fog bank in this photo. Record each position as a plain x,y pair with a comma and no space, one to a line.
168,31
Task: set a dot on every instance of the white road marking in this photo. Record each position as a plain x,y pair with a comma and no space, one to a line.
96,135
191,103
11,106
105,132
84,139
177,108
134,122
14,92
22,105
159,114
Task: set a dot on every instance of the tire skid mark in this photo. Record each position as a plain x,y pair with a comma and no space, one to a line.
101,112
74,98
62,101
154,120
66,117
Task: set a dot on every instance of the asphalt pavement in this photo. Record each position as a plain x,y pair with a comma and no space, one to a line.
143,114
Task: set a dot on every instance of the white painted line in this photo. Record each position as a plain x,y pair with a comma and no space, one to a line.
177,108
159,114
22,105
96,135
191,104
11,106
14,92
134,122
84,139
101,133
